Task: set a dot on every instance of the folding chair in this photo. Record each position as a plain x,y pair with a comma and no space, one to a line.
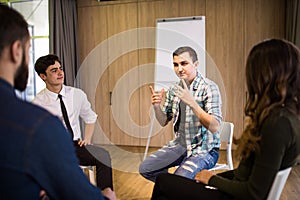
90,172
226,136
278,184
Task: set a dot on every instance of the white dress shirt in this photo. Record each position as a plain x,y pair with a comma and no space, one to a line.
76,103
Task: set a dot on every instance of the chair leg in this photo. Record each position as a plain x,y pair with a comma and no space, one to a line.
90,172
92,175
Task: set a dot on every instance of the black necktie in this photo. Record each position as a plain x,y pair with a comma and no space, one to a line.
65,115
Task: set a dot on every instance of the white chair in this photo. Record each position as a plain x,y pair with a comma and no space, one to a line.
278,184
226,136
90,173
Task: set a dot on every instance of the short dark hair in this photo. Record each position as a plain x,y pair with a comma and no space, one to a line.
188,49
13,27
44,62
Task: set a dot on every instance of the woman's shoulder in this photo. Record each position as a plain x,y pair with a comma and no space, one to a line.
281,120
280,113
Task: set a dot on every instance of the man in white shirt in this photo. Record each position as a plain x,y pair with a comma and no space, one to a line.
77,106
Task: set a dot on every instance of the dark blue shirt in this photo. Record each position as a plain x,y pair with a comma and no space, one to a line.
36,153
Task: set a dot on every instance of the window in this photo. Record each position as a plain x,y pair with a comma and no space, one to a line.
35,13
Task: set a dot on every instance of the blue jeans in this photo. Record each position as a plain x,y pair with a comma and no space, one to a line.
166,157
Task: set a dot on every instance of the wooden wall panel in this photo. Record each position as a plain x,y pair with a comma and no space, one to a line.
148,12
92,34
263,19
123,17
232,27
225,41
92,22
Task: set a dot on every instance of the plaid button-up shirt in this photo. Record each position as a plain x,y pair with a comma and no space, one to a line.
199,140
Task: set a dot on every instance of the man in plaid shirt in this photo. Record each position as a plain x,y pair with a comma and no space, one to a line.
194,106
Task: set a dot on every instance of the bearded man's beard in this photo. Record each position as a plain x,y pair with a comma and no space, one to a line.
21,76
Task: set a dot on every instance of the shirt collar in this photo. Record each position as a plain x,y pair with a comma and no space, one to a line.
53,95
197,81
63,91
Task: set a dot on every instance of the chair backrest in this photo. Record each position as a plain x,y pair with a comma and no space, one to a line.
278,184
226,136
226,132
